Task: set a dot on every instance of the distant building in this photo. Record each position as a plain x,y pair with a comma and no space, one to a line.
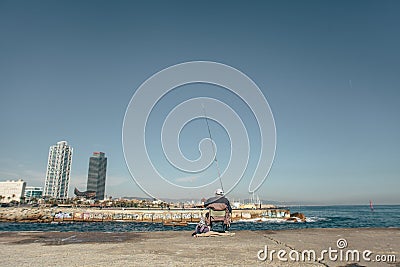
58,171
12,191
85,194
97,174
32,192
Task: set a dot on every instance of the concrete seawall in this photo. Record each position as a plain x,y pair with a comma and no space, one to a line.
58,214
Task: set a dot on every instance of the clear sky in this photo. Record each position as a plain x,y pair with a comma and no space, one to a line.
329,70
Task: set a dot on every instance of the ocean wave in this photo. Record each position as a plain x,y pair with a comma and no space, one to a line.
263,220
281,220
316,219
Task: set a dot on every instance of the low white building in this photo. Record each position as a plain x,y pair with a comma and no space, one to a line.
12,190
32,192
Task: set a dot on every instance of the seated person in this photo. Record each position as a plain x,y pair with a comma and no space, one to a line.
219,198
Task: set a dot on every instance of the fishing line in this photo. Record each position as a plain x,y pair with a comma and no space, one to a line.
213,148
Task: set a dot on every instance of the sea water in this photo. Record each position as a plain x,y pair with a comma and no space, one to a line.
383,216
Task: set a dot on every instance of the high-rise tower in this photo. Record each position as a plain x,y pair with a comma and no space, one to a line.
97,174
58,171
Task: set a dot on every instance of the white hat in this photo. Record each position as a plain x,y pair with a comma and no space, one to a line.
219,192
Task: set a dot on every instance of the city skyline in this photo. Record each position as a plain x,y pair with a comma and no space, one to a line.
327,70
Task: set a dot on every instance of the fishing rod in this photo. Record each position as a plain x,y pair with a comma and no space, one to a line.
213,148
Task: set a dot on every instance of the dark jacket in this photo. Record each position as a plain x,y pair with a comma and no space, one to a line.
218,199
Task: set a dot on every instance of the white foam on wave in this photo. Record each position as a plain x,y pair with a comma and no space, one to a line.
315,219
280,220
264,220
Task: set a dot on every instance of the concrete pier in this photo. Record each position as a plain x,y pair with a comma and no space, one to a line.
179,248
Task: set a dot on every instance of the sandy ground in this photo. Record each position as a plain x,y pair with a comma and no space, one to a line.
181,249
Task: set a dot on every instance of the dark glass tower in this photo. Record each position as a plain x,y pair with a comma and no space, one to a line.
97,174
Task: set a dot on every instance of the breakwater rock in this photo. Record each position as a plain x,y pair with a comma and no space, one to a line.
59,214
26,214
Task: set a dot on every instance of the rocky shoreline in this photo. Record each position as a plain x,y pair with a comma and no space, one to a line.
50,214
27,214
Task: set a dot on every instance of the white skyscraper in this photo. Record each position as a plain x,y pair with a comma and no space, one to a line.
58,171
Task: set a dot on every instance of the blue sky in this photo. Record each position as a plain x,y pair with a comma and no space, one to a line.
329,70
